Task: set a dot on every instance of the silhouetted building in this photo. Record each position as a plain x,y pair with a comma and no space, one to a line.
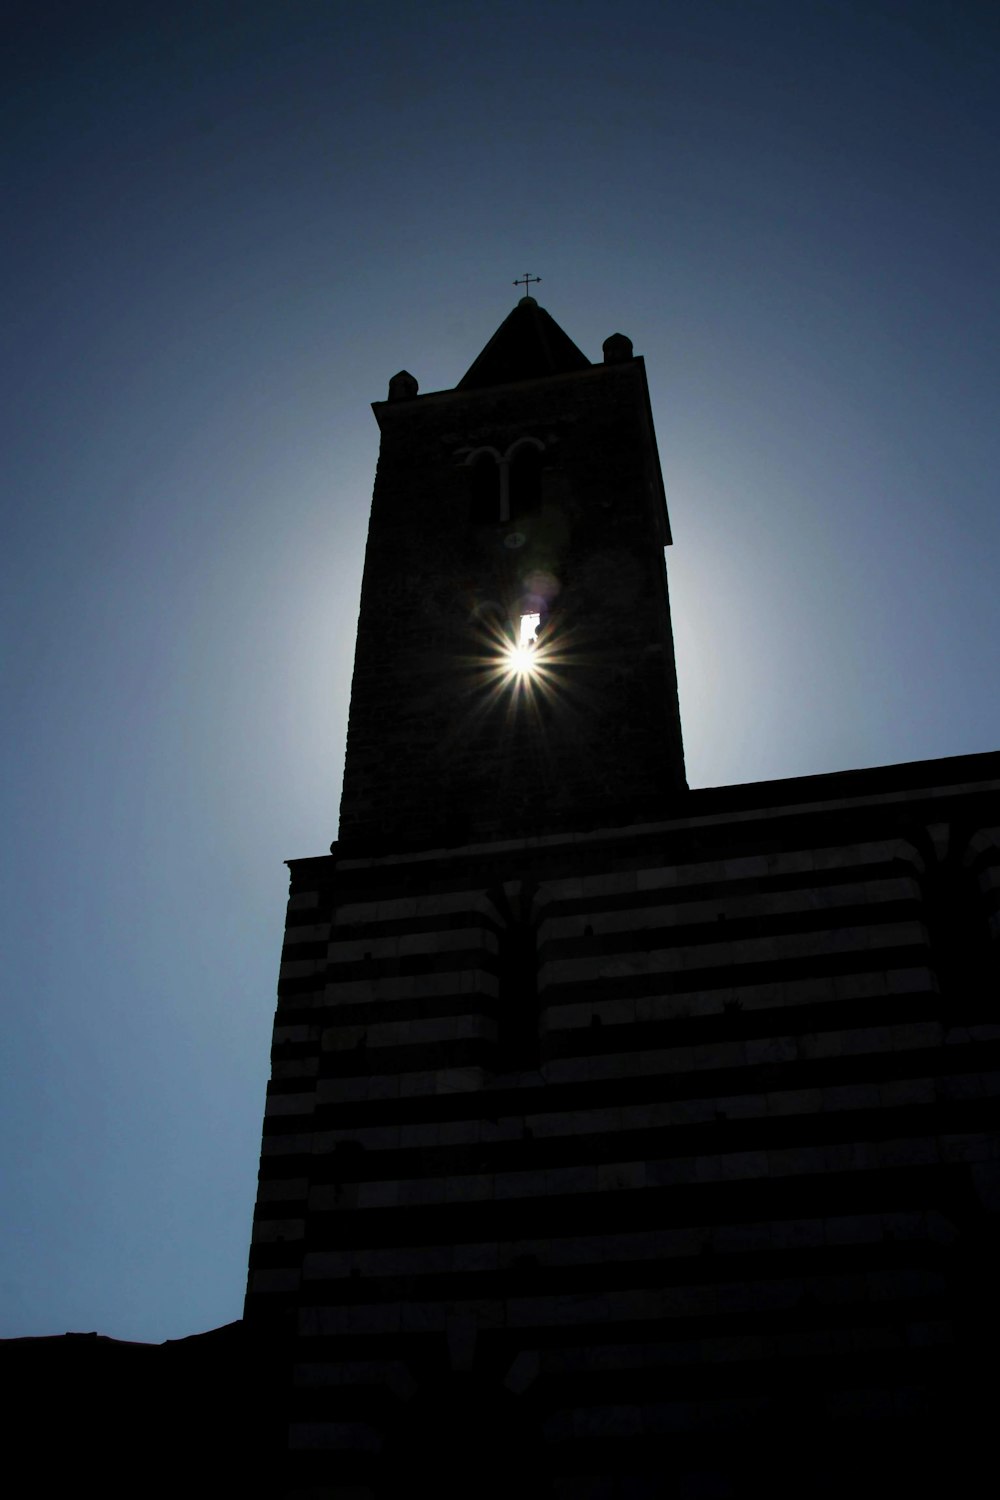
622,1140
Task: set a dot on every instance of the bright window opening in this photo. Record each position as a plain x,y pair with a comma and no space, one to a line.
522,653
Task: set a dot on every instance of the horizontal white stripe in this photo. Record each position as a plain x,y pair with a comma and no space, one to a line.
660,1062
403,945
414,1033
667,1114
615,1249
624,1176
762,904
644,1304
405,987
334,1436
405,908
777,948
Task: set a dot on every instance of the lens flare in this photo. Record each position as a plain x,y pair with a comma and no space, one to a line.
522,667
521,659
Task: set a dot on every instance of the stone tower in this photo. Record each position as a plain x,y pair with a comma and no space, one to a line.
621,1140
524,508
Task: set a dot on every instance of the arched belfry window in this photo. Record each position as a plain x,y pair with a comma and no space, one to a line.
505,487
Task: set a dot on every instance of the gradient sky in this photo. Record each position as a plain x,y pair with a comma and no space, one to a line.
227,224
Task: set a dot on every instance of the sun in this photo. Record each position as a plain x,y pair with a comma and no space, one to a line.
520,664
521,659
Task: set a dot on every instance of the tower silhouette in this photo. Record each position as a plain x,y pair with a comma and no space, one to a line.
620,1139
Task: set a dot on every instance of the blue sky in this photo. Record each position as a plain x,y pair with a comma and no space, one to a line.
227,226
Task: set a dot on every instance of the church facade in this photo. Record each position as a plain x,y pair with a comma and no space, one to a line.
622,1140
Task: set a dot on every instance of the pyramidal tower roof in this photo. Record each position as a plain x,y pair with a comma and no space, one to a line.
528,344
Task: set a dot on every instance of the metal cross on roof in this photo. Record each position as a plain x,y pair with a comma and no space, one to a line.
526,278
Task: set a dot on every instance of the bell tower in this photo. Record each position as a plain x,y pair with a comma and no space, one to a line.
515,668
514,736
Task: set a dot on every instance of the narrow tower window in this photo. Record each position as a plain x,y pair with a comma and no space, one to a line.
522,653
517,1028
517,978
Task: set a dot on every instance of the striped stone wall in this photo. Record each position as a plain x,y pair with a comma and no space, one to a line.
722,1214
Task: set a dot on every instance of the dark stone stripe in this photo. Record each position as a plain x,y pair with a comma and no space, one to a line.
740,886
721,1025
420,1008
732,929
313,952
600,945
644,1089
703,1270
645,1036
405,964
465,1052
639,900
735,975
668,1329
769,1446
826,1194
863,961
787,830
661,1143
691,1380
423,924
